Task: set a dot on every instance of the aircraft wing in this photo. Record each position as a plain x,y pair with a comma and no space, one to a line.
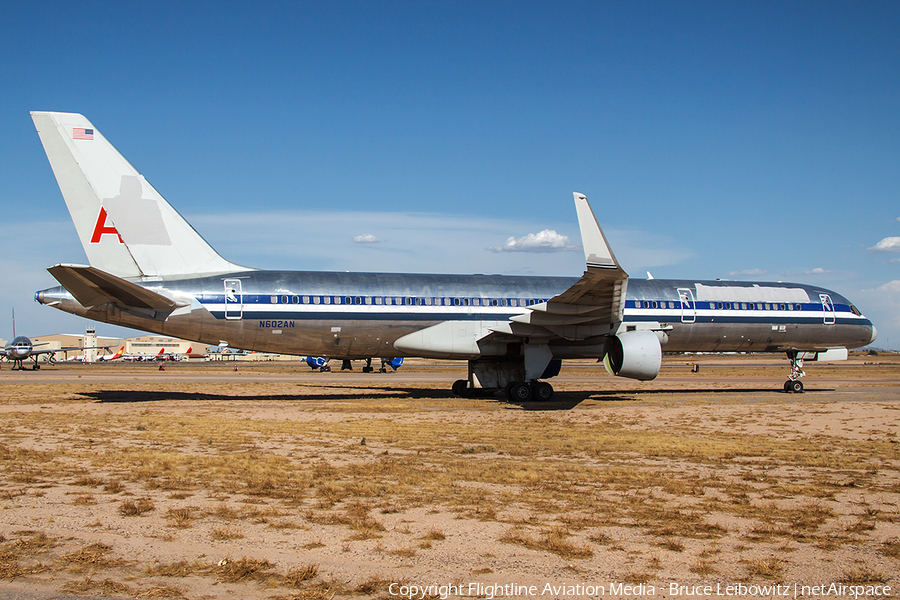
594,306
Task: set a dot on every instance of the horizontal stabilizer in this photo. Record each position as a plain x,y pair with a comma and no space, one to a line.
93,287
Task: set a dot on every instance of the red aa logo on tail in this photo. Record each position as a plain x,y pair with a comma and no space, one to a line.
102,228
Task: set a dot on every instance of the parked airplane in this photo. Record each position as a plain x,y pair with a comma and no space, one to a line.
108,357
149,269
22,348
142,357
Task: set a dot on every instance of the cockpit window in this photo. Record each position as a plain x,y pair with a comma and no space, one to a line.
855,311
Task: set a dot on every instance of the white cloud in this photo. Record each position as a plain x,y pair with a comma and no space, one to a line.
366,238
817,271
546,240
890,286
748,272
413,243
888,244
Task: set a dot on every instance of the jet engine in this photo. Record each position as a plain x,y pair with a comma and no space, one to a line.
634,354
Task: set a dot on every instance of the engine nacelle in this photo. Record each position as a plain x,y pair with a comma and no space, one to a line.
634,354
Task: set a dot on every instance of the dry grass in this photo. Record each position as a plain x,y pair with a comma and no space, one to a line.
551,541
296,577
221,533
134,508
770,568
105,587
704,568
603,473
435,535
182,518
863,576
243,569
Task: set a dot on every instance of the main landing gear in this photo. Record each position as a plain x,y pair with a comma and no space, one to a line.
530,390
793,384
517,391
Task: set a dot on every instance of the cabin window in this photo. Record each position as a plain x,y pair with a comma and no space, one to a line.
327,300
790,307
456,302
782,306
357,300
768,306
743,306
305,299
274,299
378,300
295,299
368,299
728,306
316,299
284,299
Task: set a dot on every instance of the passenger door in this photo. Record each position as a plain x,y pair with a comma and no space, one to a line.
234,299
827,309
688,306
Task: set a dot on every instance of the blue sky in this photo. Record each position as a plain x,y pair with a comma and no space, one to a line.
754,140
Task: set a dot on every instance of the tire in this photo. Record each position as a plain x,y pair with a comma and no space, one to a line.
543,392
797,386
787,386
520,392
459,387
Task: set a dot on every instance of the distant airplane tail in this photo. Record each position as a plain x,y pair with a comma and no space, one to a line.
126,227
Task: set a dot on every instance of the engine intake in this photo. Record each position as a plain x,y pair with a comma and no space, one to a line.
634,354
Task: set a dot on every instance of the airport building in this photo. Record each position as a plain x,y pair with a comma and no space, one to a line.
97,346
89,347
153,345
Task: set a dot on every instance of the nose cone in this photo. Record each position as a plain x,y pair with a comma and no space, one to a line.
874,334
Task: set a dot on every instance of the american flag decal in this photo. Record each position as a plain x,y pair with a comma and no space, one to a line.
80,133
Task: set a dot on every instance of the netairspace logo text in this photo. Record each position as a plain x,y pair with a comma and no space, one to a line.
492,591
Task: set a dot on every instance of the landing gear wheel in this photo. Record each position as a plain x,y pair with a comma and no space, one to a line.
460,387
787,386
325,369
543,391
796,387
520,392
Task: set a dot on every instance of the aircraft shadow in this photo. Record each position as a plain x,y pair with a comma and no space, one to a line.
561,400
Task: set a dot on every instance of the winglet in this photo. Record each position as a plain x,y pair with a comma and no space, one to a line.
597,252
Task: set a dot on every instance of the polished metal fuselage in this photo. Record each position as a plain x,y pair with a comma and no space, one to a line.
357,315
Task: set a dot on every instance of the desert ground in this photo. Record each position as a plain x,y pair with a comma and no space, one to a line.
272,481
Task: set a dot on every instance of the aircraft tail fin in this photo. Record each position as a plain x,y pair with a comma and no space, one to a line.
125,226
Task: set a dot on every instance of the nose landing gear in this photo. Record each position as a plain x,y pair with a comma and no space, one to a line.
793,384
